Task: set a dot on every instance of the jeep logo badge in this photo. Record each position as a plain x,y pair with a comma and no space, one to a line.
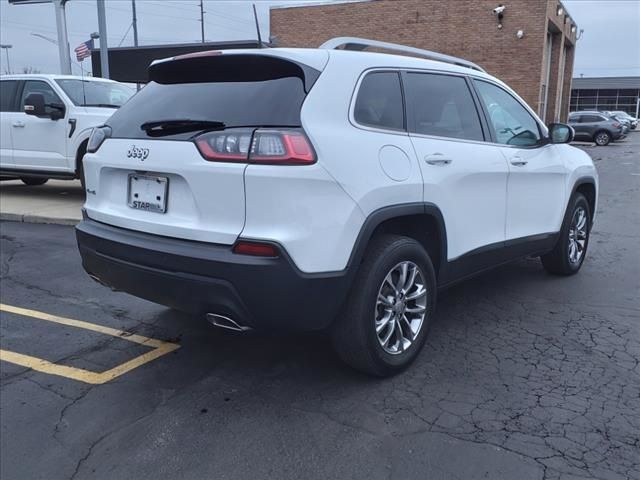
135,152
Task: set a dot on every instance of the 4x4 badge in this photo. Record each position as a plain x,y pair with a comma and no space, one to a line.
136,152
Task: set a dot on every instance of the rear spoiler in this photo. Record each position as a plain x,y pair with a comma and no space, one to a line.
229,66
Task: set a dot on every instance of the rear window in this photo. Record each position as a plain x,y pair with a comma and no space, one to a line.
251,93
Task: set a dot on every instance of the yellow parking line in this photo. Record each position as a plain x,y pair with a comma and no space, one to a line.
160,348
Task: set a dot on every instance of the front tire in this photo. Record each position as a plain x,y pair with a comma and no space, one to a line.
388,313
34,182
569,253
602,138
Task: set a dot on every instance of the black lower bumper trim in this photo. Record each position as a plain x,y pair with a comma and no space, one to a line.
197,277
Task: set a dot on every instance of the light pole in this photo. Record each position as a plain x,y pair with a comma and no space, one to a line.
63,42
102,30
6,49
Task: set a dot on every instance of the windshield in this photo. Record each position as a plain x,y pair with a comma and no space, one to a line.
89,93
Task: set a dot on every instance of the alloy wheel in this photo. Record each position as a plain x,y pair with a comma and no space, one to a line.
401,307
577,236
602,138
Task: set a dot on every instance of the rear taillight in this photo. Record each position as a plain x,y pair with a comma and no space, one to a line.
97,137
271,147
226,146
616,125
284,147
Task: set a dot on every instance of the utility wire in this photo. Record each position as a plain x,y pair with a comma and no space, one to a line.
125,34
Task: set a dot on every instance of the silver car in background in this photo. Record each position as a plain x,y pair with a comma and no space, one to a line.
596,127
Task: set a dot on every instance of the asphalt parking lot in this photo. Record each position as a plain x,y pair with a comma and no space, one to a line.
524,376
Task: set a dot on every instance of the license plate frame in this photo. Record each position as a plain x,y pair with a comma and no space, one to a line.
147,192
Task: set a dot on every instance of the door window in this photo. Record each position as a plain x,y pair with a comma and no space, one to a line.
512,123
37,86
441,105
379,103
8,95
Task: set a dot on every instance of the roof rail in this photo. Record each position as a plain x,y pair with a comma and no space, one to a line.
355,43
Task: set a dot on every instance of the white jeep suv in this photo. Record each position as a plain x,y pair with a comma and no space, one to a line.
327,189
45,122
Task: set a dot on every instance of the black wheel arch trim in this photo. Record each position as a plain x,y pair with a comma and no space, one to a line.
578,183
377,217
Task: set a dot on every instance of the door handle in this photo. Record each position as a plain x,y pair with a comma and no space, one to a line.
437,159
18,124
518,162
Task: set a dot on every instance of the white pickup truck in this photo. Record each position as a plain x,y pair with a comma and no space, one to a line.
45,122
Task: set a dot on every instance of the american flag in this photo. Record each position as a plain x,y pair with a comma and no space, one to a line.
84,50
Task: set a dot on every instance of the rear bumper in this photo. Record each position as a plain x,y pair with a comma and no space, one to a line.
196,277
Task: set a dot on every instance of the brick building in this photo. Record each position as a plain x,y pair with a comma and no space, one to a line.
532,51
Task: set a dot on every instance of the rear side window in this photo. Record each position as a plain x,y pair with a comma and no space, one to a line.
232,90
379,102
442,105
592,119
8,95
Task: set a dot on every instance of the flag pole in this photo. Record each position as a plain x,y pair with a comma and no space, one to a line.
84,95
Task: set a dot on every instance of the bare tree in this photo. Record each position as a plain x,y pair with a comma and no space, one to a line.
30,70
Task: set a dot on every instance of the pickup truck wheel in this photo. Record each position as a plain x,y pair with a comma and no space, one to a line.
81,176
80,164
33,181
569,253
388,313
602,138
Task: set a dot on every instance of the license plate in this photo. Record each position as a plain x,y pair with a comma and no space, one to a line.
148,192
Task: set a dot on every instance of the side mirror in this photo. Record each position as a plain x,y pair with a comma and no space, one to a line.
560,133
57,111
34,105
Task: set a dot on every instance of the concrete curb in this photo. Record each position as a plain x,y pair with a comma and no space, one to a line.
17,217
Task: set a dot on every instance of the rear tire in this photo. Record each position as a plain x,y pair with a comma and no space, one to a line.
569,253
602,138
34,181
393,297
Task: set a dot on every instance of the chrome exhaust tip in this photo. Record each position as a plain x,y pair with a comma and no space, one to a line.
225,322
95,278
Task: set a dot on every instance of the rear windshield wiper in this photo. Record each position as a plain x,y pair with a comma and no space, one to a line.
169,127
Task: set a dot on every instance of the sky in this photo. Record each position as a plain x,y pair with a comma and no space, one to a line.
609,45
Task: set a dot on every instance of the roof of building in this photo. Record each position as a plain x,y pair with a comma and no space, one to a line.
587,83
293,4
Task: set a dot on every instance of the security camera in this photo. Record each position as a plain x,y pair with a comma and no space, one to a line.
499,10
